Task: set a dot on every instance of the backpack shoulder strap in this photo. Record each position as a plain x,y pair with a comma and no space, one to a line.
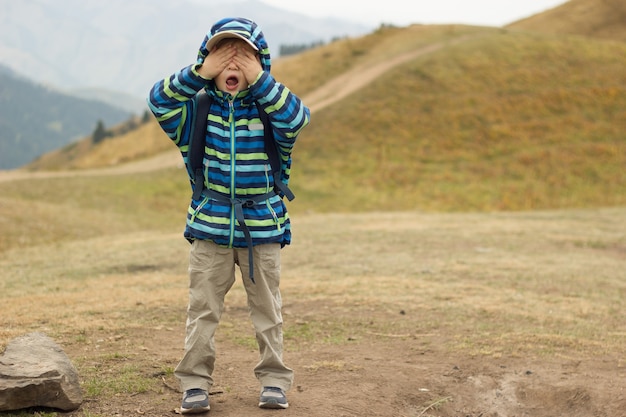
271,149
198,141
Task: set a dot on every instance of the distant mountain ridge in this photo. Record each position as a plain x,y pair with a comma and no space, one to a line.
111,52
126,46
36,119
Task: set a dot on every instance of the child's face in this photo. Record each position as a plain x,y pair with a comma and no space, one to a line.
232,80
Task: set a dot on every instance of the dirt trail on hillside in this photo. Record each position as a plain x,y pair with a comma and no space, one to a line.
350,82
326,95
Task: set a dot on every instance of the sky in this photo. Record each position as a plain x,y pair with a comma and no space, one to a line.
406,12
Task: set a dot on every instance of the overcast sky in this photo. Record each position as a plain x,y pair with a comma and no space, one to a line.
405,12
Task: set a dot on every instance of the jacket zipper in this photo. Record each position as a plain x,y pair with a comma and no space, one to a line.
231,123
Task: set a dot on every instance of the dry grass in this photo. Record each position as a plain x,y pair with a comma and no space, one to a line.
63,209
545,283
84,285
497,288
306,72
145,141
505,121
603,19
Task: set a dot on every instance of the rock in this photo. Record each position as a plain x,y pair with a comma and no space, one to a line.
35,372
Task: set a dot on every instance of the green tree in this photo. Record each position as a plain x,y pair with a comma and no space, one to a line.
146,117
100,133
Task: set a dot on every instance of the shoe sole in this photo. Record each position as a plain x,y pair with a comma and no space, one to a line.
195,410
273,405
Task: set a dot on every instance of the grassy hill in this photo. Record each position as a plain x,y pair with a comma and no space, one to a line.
504,120
604,19
495,119
129,141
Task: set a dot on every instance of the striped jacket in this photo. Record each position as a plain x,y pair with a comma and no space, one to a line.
235,162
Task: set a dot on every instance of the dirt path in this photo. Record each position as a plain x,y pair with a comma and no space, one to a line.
350,82
162,160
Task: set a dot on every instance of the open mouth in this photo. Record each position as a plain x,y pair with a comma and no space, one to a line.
232,83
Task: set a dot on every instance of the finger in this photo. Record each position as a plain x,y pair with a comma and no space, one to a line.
244,58
244,51
239,61
224,52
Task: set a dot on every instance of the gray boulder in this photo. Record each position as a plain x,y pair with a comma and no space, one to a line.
35,372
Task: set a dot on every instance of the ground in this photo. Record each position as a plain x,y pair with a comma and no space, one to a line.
383,375
447,315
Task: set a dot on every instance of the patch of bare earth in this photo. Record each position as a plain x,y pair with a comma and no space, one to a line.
380,376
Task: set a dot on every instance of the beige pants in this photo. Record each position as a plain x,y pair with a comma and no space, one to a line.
211,275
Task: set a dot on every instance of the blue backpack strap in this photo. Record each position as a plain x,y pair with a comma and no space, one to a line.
271,149
198,142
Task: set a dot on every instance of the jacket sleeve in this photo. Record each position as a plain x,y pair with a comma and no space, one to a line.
285,110
169,101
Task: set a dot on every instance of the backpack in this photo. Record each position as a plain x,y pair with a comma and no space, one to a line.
198,141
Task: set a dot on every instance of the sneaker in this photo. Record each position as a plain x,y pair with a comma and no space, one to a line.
195,401
273,397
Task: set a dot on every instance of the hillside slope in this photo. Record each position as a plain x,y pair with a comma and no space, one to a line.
466,119
605,19
502,121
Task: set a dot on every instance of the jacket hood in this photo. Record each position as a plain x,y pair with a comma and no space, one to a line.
243,28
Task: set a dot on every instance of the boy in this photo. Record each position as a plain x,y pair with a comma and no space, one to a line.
236,217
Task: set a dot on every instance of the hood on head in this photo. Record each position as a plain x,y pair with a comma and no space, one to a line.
241,28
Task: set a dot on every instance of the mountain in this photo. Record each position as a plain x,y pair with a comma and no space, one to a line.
36,119
111,52
604,19
124,101
126,46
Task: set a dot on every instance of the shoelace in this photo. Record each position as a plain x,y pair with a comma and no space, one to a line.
193,392
273,389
